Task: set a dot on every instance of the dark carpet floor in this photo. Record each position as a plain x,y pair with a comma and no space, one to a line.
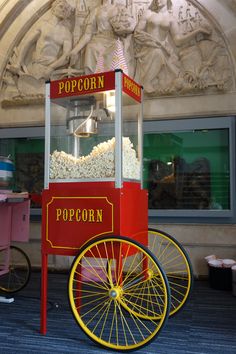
206,325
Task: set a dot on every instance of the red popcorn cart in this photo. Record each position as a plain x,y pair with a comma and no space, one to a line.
95,209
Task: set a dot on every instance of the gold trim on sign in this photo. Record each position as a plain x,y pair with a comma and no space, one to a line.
75,248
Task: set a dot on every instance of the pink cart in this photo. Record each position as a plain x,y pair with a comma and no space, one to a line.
15,265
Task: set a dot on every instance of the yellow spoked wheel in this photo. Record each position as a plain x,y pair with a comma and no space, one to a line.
176,265
113,295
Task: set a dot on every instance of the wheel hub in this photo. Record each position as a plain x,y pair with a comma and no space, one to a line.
115,292
150,274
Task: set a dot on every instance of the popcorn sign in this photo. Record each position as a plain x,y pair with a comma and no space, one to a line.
71,220
132,88
93,83
82,85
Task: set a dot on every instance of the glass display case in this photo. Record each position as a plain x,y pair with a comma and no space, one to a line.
93,129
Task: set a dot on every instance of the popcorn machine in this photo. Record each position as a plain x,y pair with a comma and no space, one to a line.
94,208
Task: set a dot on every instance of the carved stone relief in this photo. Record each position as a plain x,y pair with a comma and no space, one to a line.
172,47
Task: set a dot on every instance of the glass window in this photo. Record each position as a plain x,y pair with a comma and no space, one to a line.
188,169
27,155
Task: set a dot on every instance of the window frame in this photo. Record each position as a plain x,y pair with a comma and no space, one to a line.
196,215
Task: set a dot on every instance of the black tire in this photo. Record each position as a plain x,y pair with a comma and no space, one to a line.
19,271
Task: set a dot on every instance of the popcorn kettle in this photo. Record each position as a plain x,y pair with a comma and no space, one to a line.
82,123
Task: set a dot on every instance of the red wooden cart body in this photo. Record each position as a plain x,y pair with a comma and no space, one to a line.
74,213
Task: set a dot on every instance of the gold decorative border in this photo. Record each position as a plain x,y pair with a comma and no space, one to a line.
47,221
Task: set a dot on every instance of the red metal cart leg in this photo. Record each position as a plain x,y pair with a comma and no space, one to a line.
44,291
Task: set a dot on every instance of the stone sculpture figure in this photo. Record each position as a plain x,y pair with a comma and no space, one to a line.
169,47
157,36
204,61
51,40
102,28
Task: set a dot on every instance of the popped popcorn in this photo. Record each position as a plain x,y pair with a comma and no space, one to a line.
100,163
